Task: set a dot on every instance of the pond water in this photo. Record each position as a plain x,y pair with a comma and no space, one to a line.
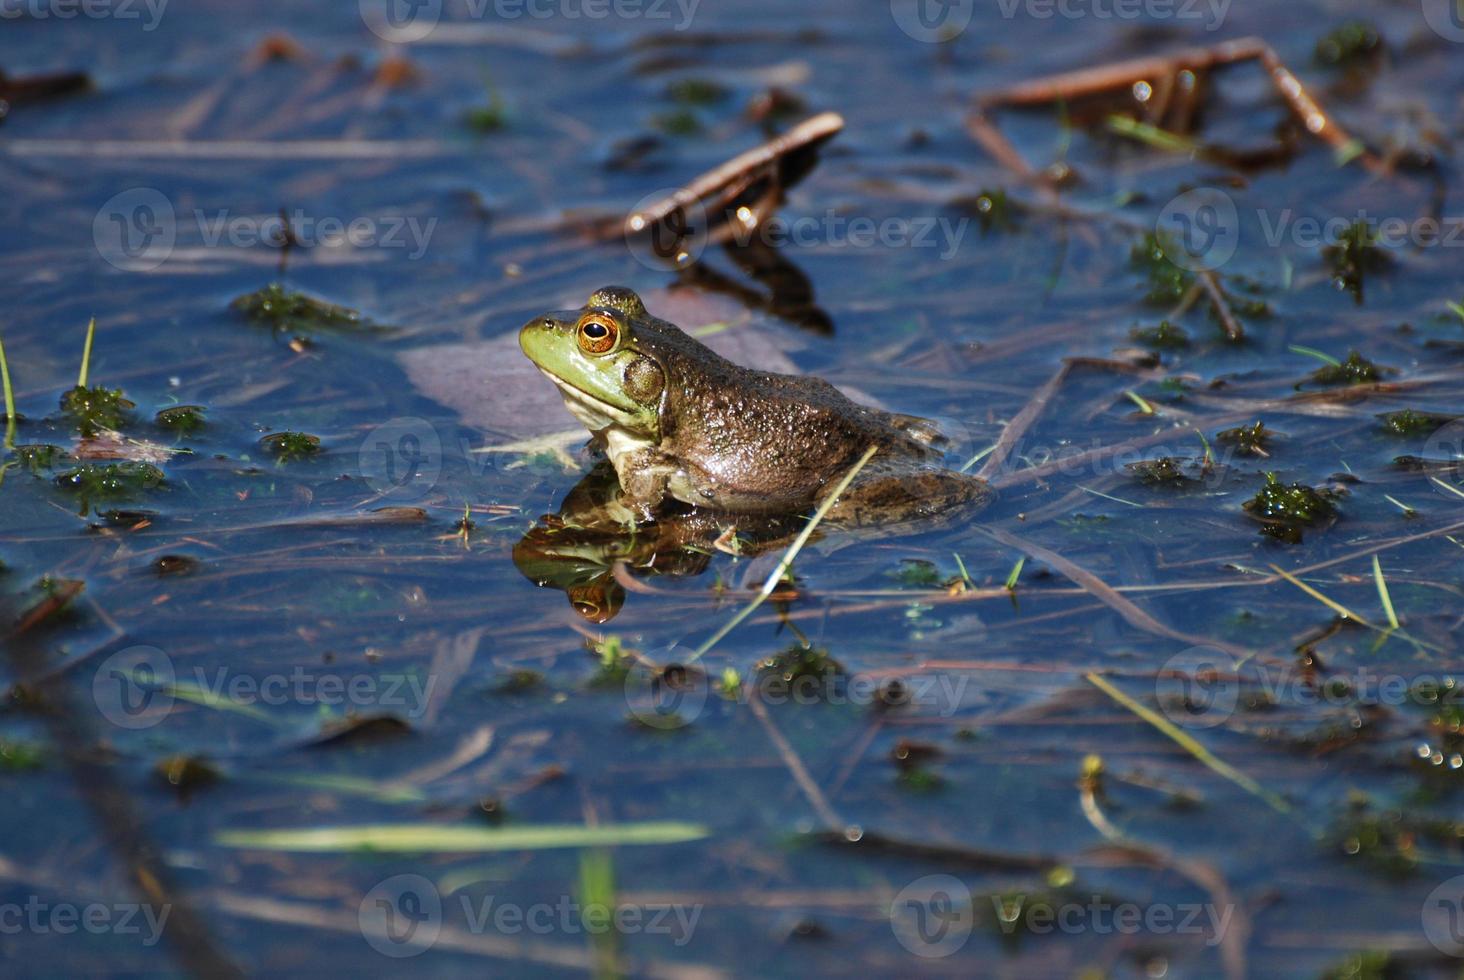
324,675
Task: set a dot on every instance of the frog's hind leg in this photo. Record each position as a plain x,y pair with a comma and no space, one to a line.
894,498
922,430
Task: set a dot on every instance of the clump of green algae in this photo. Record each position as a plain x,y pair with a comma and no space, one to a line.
1285,511
1248,439
296,312
287,447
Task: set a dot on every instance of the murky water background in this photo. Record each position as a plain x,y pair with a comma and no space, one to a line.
296,659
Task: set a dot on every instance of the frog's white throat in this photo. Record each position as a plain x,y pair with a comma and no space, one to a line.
604,419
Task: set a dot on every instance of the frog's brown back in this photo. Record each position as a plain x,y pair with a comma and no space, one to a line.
781,435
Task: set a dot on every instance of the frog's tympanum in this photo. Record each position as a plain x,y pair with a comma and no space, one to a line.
681,423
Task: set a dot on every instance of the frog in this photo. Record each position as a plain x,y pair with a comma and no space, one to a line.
683,425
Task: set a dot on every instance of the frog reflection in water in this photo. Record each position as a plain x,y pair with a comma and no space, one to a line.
684,427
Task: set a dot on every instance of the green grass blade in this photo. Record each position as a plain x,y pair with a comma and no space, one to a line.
439,838
597,891
91,333
1016,573
9,399
1383,593
786,561
1186,742
1322,356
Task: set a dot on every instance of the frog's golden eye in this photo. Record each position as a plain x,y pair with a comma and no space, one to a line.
597,333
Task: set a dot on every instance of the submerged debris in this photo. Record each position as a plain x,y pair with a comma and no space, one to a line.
183,419
1164,471
1250,440
695,91
187,772
1353,42
1408,422
39,456
289,446
288,312
1285,511
97,481
1166,336
801,669
1168,283
993,209
1355,254
1356,370
1390,841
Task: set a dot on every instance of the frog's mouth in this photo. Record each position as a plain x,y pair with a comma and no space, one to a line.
593,413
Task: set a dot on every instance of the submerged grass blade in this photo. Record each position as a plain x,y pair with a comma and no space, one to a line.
1331,604
786,561
1144,407
1016,573
1448,486
345,785
1185,741
597,891
1159,139
91,332
438,838
196,694
1322,356
1383,593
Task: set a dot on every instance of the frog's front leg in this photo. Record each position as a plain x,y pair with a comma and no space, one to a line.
644,475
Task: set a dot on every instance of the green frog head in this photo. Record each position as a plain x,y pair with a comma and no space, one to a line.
606,360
